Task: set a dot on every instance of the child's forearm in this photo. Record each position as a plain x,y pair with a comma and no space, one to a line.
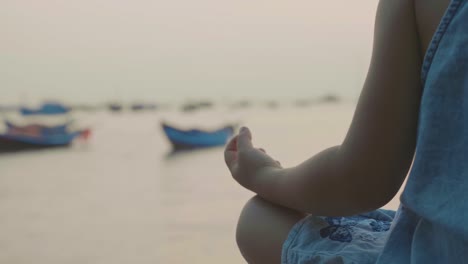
322,185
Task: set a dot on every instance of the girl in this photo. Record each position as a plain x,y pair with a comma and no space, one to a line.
412,112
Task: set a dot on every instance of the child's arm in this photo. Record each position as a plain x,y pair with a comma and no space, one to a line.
368,169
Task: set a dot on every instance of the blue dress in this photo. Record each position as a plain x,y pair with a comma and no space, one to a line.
431,225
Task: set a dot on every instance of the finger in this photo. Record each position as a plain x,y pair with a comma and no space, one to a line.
232,144
230,159
244,141
230,152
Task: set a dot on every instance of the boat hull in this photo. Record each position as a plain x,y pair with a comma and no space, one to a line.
7,145
10,143
195,139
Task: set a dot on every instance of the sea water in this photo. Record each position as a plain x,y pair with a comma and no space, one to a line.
124,197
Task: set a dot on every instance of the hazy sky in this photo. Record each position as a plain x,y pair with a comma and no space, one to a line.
95,50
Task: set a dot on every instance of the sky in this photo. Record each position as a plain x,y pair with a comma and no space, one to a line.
101,50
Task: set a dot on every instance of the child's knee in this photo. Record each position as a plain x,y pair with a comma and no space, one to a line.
244,235
247,220
262,229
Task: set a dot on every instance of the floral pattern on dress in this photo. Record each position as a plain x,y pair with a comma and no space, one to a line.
380,226
341,229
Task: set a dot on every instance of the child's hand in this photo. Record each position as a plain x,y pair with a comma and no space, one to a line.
246,163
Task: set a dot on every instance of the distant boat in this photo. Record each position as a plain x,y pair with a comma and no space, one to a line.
143,107
196,138
46,109
115,107
193,106
37,136
137,107
330,98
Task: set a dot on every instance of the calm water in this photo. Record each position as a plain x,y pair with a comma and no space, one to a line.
122,198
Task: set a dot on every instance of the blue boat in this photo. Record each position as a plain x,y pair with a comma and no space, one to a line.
196,138
37,136
45,130
46,109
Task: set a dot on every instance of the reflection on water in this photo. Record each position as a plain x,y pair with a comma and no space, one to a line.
174,155
126,198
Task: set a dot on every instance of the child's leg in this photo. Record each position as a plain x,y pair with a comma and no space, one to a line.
262,229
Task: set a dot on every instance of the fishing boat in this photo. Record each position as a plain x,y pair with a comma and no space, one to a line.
115,107
38,136
46,109
196,138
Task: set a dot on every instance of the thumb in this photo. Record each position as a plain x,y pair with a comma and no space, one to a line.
244,141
